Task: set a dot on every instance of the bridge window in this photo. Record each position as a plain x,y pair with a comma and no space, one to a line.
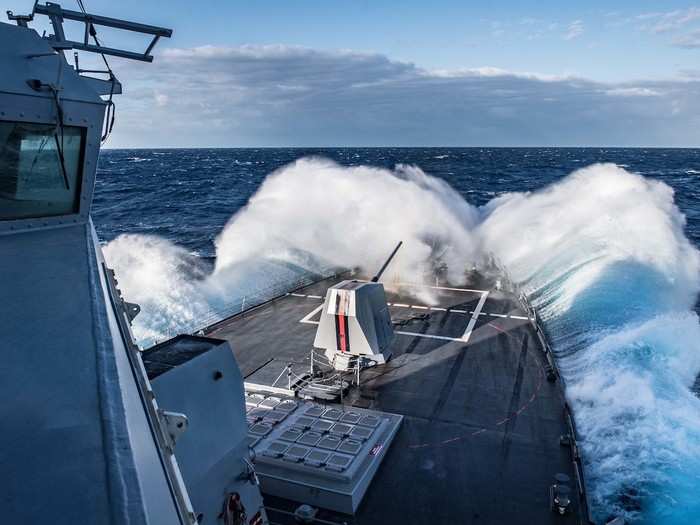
40,169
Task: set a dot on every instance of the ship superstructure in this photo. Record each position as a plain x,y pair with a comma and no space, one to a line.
85,439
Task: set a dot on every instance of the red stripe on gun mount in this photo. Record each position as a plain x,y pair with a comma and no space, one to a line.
341,324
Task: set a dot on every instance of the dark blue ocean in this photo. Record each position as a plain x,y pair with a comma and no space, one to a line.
187,195
603,240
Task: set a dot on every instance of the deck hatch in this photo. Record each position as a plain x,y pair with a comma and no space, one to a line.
314,411
338,462
350,446
276,449
253,400
317,458
258,413
322,425
270,402
369,421
333,414
304,422
329,442
296,453
290,435
310,438
361,432
275,416
350,417
287,406
341,429
260,429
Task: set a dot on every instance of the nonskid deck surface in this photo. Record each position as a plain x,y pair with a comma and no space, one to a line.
479,442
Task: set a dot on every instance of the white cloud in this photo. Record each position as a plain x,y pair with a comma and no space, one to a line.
661,22
632,92
690,74
526,28
574,30
291,96
488,71
161,99
688,41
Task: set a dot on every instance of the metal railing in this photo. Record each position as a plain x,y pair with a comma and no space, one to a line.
551,368
206,323
577,462
259,297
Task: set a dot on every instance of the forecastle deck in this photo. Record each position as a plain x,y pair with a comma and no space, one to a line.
480,437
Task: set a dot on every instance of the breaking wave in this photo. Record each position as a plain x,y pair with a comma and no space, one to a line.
602,254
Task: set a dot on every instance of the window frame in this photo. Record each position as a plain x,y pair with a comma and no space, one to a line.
80,175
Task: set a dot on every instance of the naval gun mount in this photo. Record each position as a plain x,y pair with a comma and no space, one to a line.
355,326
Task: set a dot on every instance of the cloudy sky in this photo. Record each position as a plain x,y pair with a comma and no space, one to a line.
377,72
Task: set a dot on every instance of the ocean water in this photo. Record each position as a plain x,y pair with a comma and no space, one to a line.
604,241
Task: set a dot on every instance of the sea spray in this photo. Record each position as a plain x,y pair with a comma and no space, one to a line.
589,220
602,254
352,217
163,279
178,293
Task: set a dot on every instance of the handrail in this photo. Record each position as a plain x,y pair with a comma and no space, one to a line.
552,369
250,301
207,323
260,297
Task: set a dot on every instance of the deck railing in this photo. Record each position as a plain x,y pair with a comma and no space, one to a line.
204,324
259,297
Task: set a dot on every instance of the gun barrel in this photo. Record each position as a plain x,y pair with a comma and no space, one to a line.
381,270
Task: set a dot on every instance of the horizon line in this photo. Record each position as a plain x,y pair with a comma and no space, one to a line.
389,147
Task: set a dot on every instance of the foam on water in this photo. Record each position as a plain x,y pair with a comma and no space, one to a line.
602,255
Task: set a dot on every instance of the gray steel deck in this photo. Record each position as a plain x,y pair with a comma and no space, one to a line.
480,438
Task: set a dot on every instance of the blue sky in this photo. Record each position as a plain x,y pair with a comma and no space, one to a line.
412,72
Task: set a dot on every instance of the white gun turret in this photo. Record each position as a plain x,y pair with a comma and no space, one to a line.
355,321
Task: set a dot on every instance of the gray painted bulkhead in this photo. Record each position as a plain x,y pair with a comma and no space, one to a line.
78,444
207,387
